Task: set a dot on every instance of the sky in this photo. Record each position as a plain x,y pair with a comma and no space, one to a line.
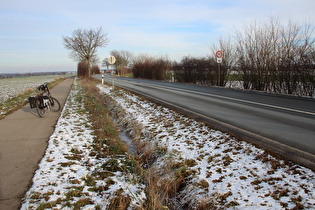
31,31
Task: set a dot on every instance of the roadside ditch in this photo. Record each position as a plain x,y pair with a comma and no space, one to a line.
188,165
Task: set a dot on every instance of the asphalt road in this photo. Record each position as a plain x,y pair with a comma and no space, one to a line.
282,124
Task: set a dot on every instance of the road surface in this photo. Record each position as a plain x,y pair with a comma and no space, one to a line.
282,124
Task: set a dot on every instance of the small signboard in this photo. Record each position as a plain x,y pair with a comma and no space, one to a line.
111,60
219,54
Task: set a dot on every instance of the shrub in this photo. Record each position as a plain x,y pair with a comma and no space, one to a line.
83,69
151,68
95,69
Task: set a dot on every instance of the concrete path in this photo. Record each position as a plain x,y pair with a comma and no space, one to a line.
23,141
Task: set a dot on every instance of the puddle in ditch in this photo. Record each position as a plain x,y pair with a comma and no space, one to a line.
128,141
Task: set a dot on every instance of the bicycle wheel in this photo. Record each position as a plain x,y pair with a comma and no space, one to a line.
55,105
41,110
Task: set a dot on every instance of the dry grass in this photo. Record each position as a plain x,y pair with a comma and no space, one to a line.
119,202
161,186
106,144
159,190
103,125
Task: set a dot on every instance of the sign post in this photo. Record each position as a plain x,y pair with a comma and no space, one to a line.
111,60
219,55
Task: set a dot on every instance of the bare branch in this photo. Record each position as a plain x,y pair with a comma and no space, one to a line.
83,44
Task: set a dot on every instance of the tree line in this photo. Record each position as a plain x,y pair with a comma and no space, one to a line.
277,58
272,56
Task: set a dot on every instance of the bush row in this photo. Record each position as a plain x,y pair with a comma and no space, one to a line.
271,57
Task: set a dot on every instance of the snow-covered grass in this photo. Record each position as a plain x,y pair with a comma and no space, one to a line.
216,170
14,92
71,175
195,166
12,87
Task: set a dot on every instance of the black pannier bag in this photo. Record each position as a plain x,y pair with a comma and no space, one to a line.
42,101
32,101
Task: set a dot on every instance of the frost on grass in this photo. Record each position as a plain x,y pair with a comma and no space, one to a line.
15,91
212,169
71,176
12,87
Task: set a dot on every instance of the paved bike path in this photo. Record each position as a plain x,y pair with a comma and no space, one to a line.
23,141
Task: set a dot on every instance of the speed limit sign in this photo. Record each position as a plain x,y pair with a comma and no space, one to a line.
219,54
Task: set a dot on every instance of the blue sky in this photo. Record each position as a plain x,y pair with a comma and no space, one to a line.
31,31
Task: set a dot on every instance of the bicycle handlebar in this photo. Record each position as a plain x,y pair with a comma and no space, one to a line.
44,88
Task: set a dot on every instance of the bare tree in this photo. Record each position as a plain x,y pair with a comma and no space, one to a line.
83,45
123,59
105,63
277,57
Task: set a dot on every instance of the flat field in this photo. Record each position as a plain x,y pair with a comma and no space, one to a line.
14,92
12,87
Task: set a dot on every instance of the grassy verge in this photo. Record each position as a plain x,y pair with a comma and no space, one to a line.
86,163
21,100
164,183
103,125
160,186
189,176
107,143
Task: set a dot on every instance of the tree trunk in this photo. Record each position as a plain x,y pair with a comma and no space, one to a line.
89,69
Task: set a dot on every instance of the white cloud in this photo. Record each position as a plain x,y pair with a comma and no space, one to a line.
176,27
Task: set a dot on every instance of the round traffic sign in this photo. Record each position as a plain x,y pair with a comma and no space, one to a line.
111,60
219,54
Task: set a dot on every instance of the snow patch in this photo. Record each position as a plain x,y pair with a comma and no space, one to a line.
224,172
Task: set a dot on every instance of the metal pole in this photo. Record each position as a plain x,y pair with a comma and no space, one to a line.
113,82
219,72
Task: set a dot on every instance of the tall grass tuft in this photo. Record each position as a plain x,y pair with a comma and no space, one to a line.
105,129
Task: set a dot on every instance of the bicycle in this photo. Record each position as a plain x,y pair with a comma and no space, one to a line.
44,103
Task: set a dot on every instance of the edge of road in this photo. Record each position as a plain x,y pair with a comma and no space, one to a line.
283,151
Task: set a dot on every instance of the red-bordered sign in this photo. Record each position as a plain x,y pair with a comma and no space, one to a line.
219,54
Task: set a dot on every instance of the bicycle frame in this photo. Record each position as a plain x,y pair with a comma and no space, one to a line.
44,103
